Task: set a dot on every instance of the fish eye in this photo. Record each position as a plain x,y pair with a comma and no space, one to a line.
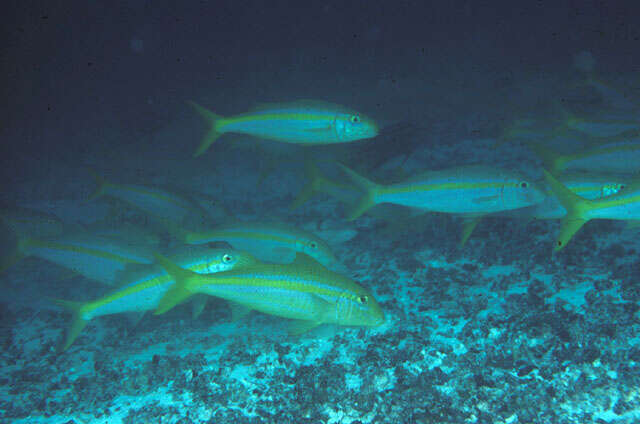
354,119
313,245
226,258
363,299
621,187
524,184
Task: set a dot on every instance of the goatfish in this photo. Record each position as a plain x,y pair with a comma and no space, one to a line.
397,218
166,207
307,122
624,205
606,126
128,233
590,186
470,191
99,258
525,130
619,156
303,290
142,289
603,128
271,242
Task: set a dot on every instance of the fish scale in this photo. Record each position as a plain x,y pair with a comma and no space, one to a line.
143,288
473,190
303,290
305,122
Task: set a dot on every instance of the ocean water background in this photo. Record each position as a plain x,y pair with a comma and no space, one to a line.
498,331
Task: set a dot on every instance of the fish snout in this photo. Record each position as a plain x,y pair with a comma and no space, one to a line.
359,129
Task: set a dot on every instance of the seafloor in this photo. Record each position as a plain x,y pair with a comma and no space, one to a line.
499,331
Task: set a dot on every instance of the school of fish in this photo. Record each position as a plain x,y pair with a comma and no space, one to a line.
185,254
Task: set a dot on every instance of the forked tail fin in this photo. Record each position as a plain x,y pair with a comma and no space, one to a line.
214,123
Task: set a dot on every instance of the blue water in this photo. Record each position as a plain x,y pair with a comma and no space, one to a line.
501,330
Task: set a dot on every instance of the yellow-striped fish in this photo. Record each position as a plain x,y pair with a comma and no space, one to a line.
603,127
301,122
143,288
271,242
166,207
100,258
618,156
130,234
624,205
468,190
590,186
587,185
396,216
24,223
303,290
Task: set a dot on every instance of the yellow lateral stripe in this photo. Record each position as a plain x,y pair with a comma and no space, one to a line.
153,281
158,195
281,117
443,186
613,201
281,282
83,250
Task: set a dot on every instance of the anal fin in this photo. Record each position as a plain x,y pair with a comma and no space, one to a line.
299,326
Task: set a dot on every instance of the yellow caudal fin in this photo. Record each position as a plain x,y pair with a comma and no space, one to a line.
552,160
181,289
16,253
310,187
367,200
9,260
77,323
214,127
576,207
101,185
